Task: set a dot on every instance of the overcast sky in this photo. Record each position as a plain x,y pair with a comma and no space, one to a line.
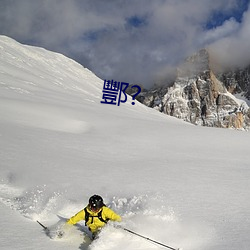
137,41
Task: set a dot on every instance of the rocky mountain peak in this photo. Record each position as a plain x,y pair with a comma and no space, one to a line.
200,96
196,64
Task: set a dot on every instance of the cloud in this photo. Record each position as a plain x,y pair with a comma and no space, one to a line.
228,28
134,41
232,50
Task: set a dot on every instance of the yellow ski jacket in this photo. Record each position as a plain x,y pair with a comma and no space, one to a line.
94,223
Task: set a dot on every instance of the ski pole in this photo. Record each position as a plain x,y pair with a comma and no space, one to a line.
146,238
45,228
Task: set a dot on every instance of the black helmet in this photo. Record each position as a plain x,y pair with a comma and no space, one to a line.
96,202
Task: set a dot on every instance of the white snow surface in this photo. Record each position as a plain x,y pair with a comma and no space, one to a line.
182,185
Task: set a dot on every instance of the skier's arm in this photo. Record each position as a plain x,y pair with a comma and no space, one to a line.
77,217
110,214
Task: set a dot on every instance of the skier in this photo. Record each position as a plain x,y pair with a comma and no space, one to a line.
95,214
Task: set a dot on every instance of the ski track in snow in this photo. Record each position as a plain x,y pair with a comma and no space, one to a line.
43,117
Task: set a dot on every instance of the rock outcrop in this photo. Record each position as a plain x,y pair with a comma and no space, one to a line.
201,97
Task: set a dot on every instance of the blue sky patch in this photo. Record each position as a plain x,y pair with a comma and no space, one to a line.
136,21
219,17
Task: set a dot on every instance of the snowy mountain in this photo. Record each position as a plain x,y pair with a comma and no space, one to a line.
203,97
182,185
237,81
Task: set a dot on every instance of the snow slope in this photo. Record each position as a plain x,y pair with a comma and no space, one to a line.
176,183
